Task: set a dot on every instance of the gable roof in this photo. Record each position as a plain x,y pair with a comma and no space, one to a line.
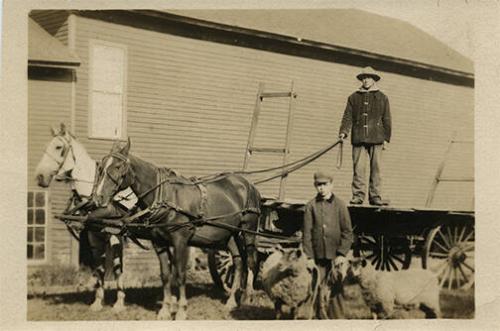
45,50
349,28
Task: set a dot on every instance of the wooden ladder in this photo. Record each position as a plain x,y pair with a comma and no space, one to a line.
439,178
261,95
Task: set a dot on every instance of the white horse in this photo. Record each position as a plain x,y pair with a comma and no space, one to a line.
65,159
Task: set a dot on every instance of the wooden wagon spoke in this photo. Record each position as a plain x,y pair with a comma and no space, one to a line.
393,264
450,277
441,267
379,262
461,234
456,274
438,254
370,240
223,263
469,255
369,257
468,266
466,239
444,249
455,235
468,247
396,257
386,264
228,276
370,244
445,238
463,273
445,277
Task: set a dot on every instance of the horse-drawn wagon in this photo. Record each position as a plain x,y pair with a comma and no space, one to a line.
388,236
443,239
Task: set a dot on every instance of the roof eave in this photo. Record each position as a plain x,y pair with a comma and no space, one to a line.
299,41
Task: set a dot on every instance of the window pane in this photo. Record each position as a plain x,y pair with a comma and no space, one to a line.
30,199
40,199
39,234
40,216
106,115
30,216
30,234
107,68
30,251
39,251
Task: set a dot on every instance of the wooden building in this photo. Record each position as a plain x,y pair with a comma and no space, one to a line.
182,85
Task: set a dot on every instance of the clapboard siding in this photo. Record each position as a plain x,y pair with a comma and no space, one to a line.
54,21
190,104
49,103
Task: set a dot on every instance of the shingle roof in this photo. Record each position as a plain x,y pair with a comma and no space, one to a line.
351,28
46,50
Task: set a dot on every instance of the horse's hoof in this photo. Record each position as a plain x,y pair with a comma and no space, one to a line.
181,314
164,315
118,308
96,306
231,303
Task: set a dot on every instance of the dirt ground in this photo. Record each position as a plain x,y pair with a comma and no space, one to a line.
205,302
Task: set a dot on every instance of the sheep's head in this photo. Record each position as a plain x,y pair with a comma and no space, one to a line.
355,268
362,272
291,261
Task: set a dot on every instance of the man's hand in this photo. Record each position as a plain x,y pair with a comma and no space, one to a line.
385,146
342,136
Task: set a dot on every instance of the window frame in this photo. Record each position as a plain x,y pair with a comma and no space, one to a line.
45,226
92,44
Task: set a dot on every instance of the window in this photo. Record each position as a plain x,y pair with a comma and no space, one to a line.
107,73
37,225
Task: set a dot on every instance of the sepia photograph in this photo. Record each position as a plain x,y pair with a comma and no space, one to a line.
247,164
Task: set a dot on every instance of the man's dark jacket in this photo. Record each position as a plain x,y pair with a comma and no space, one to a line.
369,116
327,230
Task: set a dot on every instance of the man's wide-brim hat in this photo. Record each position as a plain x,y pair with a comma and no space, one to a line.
368,72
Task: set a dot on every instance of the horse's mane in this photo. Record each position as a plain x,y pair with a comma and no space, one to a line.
166,171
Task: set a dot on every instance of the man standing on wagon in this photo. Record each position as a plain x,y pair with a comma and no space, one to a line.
368,115
327,237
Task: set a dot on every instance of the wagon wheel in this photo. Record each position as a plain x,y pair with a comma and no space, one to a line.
449,251
385,253
220,264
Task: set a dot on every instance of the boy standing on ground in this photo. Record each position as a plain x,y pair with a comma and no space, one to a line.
327,237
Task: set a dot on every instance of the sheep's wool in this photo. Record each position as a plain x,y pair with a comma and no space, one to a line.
291,289
407,287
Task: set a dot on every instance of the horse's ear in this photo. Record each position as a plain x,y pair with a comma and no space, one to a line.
126,148
63,128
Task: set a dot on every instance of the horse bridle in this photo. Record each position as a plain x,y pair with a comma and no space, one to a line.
118,182
64,155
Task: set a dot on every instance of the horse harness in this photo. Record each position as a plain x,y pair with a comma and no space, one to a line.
149,217
64,154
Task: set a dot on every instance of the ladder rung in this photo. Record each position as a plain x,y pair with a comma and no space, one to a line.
266,150
455,179
275,95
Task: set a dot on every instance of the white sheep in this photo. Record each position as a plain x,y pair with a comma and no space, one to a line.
291,279
408,288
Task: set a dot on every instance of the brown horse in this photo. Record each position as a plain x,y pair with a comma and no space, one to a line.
213,214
